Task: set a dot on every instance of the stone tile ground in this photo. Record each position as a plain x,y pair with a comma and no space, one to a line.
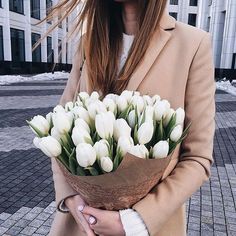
27,204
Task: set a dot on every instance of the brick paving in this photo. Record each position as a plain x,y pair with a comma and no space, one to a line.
27,204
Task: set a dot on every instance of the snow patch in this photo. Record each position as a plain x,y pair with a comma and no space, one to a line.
226,86
9,79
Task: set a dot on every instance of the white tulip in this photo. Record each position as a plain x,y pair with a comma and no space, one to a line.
148,100
101,148
122,103
104,124
112,96
95,108
125,144
62,122
36,141
81,123
49,117
41,124
138,102
69,106
95,95
149,113
78,104
56,134
106,164
80,135
127,95
139,151
58,108
81,112
160,110
136,93
145,132
180,115
50,146
161,149
176,133
85,155
131,119
168,116
83,96
109,104
121,128
155,99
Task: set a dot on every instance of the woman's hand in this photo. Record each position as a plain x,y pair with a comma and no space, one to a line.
105,223
72,203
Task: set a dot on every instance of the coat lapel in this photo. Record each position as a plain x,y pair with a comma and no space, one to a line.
157,43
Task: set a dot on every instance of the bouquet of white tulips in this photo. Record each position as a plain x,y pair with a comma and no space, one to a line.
111,150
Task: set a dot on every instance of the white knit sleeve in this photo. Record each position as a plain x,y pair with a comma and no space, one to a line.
132,223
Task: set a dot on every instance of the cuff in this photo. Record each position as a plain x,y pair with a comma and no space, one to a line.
132,223
61,206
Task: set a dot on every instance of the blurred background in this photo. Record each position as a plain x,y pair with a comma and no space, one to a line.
32,82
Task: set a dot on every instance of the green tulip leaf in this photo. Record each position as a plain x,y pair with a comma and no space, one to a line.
92,171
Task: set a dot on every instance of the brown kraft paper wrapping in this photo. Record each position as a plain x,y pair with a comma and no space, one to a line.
133,180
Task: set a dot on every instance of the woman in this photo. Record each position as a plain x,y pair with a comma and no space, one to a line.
136,45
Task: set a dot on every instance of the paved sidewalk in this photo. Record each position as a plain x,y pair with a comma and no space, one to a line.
27,204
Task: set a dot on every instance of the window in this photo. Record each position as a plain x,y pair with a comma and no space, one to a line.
16,6
35,9
49,50
0,3
17,45
49,7
192,19
174,2
36,54
1,45
174,14
193,3
59,51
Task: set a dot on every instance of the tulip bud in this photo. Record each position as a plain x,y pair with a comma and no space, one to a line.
122,103
49,117
112,96
82,124
180,115
80,135
62,122
161,149
69,106
78,104
104,124
95,95
147,100
85,155
149,113
121,128
168,116
36,141
101,148
41,124
132,119
127,95
176,133
95,108
139,151
124,144
50,146
106,164
83,96
145,132
55,134
82,113
58,108
110,104
138,102
160,110
155,99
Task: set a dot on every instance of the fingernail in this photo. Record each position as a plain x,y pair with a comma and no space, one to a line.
80,208
92,220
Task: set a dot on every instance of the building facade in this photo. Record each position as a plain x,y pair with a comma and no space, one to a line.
19,32
217,17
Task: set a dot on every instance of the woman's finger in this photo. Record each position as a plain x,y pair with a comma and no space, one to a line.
89,211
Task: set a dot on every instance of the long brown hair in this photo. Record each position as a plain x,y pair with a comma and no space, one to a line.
103,38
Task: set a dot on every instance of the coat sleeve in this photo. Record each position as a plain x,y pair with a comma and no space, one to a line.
196,151
62,188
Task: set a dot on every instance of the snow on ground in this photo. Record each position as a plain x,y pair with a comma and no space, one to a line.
9,79
227,86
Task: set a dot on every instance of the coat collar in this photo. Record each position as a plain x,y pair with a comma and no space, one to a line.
157,43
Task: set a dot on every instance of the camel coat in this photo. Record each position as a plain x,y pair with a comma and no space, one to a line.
178,65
